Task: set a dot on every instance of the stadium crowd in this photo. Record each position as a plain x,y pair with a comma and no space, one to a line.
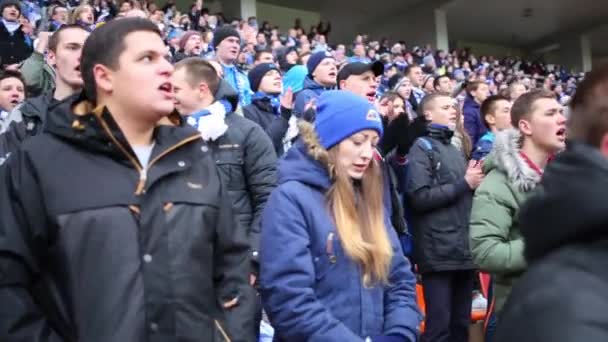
178,176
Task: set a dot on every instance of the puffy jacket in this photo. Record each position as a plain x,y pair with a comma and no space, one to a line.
260,111
473,124
496,242
562,295
93,248
313,292
14,48
248,164
439,203
23,122
311,91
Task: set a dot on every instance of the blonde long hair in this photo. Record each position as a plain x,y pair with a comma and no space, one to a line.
358,213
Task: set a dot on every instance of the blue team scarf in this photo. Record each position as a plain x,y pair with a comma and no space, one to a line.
194,119
275,101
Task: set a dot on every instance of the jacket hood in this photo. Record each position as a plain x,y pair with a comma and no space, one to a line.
306,162
571,203
506,158
441,133
37,106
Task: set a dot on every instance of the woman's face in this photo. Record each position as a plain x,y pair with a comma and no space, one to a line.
397,107
405,90
355,153
86,16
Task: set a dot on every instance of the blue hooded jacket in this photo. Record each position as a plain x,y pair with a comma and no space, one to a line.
472,119
312,90
311,290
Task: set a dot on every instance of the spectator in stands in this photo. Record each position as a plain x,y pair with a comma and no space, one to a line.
263,56
321,77
495,112
115,243
560,296
319,287
126,6
83,16
15,46
461,139
416,77
512,172
359,54
440,188
190,45
428,84
65,48
268,109
403,86
226,42
361,79
59,17
12,93
443,85
38,74
477,92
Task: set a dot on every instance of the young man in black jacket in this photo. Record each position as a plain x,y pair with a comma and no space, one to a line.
268,109
113,228
440,192
562,295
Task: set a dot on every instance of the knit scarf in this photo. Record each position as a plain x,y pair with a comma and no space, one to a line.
275,101
210,121
11,27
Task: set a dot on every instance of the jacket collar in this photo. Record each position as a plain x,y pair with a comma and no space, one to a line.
505,154
441,133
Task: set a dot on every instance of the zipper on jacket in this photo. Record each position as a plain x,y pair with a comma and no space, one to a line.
222,331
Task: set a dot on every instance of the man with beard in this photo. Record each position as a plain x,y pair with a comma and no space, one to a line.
65,49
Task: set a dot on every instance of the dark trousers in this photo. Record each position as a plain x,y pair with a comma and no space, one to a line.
448,297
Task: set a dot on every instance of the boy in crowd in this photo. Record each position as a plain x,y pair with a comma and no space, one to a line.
513,169
65,50
477,92
155,252
322,73
440,189
268,109
495,113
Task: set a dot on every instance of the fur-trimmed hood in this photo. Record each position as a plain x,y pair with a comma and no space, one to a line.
307,161
506,158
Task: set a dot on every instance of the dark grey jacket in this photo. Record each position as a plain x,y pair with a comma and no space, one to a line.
94,249
248,166
260,111
441,201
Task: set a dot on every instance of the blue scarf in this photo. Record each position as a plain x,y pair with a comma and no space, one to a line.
275,101
194,118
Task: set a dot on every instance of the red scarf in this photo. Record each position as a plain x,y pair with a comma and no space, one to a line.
532,164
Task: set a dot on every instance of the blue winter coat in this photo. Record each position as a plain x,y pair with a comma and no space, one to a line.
484,146
472,119
310,289
311,91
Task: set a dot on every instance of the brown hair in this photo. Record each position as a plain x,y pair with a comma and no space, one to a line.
489,107
524,106
467,144
473,86
358,212
55,38
199,70
427,101
589,117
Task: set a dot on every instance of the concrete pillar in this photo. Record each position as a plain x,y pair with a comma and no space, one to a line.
575,53
587,57
239,9
441,29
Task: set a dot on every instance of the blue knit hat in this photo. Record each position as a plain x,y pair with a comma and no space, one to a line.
256,74
316,59
341,114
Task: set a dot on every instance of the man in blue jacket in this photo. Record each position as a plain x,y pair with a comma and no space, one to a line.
477,92
322,73
227,44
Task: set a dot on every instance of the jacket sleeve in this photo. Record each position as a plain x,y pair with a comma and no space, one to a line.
491,220
33,70
470,124
261,176
302,99
276,129
22,238
422,190
231,271
288,276
401,315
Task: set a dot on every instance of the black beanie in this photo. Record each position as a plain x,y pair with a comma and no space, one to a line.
222,33
256,74
7,3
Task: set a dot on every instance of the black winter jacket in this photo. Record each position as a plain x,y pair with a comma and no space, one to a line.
562,296
13,47
441,201
260,111
92,248
248,167
24,121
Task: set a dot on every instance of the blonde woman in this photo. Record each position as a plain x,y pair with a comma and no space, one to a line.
83,15
332,268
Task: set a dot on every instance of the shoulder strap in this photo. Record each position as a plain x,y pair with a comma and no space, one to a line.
428,147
